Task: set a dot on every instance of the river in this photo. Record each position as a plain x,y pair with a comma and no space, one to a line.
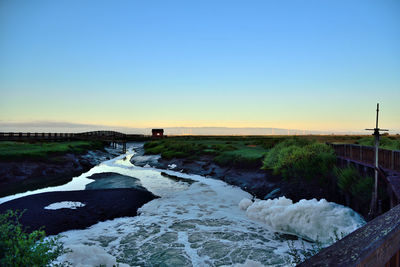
199,223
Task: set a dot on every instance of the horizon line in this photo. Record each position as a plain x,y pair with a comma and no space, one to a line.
45,125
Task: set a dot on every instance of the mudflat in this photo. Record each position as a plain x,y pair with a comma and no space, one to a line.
100,205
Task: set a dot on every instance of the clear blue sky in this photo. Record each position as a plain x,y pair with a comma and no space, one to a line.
290,64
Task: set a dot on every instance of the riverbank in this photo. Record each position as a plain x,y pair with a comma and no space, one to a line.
25,166
262,184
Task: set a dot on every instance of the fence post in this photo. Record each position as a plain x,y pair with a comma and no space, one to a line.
392,160
351,151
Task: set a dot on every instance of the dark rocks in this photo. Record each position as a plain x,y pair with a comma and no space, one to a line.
144,160
254,181
177,179
111,180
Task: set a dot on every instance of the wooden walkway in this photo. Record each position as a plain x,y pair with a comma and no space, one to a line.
94,135
106,136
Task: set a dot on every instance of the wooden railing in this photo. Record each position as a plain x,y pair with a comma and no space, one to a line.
375,244
388,159
17,136
101,135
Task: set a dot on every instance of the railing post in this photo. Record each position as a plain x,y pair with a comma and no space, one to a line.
392,159
361,153
351,151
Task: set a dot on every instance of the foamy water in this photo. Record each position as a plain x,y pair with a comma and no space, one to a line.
64,205
200,224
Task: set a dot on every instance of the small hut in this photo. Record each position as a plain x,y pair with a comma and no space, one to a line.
157,133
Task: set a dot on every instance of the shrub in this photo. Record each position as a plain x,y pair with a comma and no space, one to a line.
351,182
346,178
300,158
18,248
362,189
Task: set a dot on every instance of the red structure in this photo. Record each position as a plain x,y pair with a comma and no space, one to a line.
158,133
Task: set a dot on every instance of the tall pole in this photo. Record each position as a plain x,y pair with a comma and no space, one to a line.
376,134
373,208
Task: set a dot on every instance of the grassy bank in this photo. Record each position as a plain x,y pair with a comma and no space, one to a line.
300,160
225,151
236,151
42,150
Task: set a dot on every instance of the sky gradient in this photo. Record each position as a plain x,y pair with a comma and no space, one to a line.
312,65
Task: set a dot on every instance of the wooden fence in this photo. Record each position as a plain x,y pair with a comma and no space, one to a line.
388,159
35,136
98,135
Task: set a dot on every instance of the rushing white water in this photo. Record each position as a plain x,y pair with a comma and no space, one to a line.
314,220
198,224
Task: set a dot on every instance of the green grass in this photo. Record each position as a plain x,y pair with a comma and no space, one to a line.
243,152
352,183
391,143
247,157
41,150
249,151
